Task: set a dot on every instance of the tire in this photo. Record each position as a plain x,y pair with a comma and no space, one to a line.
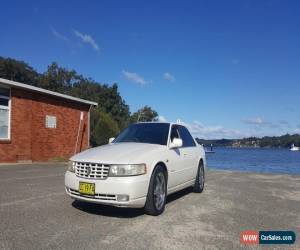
200,178
157,192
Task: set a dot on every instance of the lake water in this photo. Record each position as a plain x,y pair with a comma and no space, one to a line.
255,160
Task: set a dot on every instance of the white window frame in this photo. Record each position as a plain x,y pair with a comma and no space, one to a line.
50,121
9,112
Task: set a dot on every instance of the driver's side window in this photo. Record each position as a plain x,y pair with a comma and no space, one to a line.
174,133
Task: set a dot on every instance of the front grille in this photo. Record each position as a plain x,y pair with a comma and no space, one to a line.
104,197
91,170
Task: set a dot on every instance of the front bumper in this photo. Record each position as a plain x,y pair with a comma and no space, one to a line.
108,190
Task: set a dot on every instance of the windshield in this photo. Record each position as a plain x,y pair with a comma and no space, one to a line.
154,133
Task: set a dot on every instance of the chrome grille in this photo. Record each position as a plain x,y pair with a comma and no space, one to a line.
91,170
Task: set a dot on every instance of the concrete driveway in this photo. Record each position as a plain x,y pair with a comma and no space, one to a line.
35,213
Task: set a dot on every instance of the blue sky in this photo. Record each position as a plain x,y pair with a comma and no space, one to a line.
226,68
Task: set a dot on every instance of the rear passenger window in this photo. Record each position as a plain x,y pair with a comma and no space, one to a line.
187,139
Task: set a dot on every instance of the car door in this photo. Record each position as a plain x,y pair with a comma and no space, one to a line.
189,151
176,158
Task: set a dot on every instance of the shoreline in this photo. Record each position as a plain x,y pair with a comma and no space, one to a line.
246,147
250,172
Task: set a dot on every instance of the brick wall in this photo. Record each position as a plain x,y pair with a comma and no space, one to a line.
31,140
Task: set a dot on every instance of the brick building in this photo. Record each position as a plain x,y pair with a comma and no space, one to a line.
40,125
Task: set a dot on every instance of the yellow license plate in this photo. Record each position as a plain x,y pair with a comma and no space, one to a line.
87,188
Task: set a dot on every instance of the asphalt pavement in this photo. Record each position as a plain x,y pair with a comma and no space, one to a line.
35,213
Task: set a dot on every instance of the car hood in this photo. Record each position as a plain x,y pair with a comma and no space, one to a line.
118,153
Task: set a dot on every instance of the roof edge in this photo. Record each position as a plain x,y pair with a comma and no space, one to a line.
45,91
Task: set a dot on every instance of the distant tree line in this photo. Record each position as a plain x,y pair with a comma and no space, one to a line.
219,143
107,120
283,141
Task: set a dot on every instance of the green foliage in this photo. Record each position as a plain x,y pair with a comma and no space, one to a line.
112,114
145,114
58,79
20,71
103,127
281,141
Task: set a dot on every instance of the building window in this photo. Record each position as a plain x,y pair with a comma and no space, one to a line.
4,113
50,121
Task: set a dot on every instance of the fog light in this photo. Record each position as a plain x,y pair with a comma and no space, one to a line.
122,197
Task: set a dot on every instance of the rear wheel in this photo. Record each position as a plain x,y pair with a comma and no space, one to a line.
200,178
157,192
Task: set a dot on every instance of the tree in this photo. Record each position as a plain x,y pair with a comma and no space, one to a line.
103,127
59,79
145,114
108,98
20,71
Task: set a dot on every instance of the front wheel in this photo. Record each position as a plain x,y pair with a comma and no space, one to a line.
200,178
157,192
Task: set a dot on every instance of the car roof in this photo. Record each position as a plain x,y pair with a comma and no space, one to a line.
170,123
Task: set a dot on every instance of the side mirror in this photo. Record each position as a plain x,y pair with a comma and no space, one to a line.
111,140
176,143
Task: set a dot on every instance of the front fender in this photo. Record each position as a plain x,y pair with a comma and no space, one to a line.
202,156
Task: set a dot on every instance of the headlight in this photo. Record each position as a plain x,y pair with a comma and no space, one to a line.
71,166
127,170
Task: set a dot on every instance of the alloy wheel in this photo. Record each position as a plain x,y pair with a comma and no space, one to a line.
159,190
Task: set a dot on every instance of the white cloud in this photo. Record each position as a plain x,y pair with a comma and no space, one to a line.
59,35
134,77
254,121
161,118
212,132
260,128
283,122
260,123
87,39
169,77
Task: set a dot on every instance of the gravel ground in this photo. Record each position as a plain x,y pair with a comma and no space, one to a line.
35,213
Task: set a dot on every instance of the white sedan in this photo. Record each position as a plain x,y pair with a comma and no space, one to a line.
139,168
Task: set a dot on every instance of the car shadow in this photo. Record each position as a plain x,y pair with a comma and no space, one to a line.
120,212
108,211
178,195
